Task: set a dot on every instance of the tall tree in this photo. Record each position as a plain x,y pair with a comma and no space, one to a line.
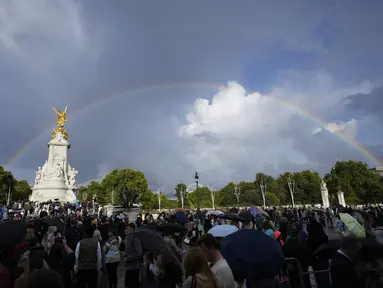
181,187
130,180
359,184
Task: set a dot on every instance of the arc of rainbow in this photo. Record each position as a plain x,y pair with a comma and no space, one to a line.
297,109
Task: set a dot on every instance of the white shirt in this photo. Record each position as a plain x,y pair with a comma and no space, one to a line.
99,257
223,272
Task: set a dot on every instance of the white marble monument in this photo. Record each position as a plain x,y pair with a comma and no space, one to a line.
324,194
56,179
341,199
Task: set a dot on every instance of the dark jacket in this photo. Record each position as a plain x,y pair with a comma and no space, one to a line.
87,258
343,273
171,277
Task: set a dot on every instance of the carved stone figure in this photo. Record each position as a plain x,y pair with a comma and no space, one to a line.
38,175
323,186
59,171
72,177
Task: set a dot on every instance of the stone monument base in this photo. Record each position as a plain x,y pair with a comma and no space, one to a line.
52,189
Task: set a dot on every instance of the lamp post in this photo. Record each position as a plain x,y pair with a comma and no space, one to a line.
262,187
212,194
291,184
237,192
196,178
112,197
159,199
8,196
182,195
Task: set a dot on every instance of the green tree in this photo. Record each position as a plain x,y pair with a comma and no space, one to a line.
181,187
283,189
307,187
129,179
22,191
359,184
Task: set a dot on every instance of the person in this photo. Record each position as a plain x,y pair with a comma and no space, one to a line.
88,259
197,271
133,258
62,259
209,245
269,229
342,267
113,258
167,268
45,278
247,220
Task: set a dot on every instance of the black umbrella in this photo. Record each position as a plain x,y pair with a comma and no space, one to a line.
252,254
230,217
11,234
55,222
171,227
150,240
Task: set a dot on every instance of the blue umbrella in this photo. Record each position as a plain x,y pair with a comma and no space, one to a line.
252,254
181,217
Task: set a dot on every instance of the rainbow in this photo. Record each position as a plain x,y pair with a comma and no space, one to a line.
292,106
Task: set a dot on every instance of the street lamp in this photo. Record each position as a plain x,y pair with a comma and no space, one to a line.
159,199
196,178
212,194
262,187
237,192
182,195
291,185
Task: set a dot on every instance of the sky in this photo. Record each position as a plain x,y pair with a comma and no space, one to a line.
221,87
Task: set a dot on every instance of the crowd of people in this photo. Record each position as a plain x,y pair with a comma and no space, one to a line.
64,246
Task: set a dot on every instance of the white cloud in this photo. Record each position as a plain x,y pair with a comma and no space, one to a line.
234,131
347,129
239,134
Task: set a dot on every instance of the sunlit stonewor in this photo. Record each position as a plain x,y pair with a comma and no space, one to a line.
56,179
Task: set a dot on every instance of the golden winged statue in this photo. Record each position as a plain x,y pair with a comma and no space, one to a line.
61,119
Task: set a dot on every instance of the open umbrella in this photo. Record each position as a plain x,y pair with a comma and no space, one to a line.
171,227
181,217
55,222
353,225
150,240
11,234
230,217
252,254
214,213
222,230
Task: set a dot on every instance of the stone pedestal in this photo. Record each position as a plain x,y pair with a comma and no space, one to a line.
341,198
56,179
324,194
325,200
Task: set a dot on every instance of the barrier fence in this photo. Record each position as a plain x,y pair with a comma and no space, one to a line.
294,277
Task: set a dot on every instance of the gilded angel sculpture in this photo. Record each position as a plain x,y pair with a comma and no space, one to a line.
60,123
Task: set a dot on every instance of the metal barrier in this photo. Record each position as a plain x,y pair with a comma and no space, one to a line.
294,277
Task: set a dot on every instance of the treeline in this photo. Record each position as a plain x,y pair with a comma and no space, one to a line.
12,188
125,186
359,184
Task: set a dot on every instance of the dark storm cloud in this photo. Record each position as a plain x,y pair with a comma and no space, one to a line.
58,53
323,148
366,104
